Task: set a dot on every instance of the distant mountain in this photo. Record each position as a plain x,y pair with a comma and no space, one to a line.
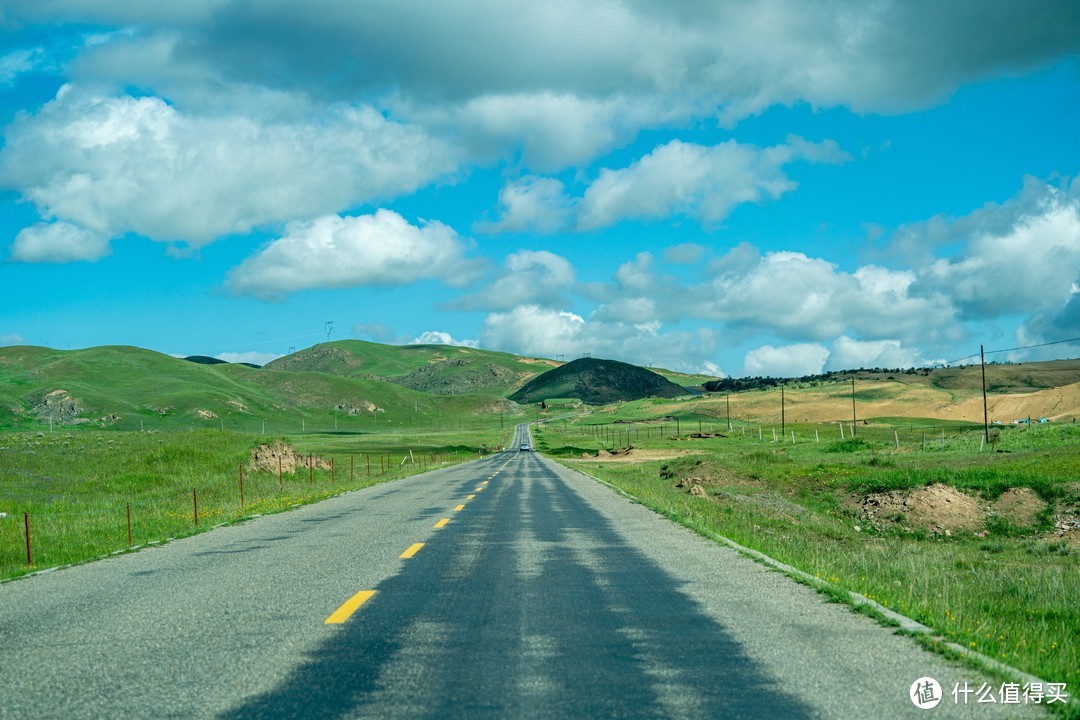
435,369
597,382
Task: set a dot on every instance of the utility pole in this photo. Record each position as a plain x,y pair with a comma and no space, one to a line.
783,418
853,420
986,414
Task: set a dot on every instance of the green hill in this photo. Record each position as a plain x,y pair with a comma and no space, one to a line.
131,388
597,382
437,369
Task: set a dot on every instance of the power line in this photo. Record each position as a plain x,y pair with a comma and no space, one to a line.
1024,347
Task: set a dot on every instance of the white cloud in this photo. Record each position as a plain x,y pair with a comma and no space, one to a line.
58,242
848,354
1032,265
741,56
11,339
544,332
17,63
787,361
125,164
685,254
252,357
529,277
800,297
382,249
438,337
531,204
705,183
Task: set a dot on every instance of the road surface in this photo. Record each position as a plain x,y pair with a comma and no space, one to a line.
507,587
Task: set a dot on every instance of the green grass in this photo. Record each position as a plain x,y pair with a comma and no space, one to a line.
77,486
1010,595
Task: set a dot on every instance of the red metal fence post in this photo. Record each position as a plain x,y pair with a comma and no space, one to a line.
195,500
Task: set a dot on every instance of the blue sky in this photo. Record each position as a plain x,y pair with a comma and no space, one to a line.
765,188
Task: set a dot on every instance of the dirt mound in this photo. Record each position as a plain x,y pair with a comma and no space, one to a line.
940,509
266,458
205,414
1020,506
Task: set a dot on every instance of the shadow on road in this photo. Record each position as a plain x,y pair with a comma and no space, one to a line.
530,604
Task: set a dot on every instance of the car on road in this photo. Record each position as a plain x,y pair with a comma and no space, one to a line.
524,447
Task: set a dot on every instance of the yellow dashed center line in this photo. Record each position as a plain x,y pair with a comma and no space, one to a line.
442,523
479,489
469,497
344,612
459,507
413,549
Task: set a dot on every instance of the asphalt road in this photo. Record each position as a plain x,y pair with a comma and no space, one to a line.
543,595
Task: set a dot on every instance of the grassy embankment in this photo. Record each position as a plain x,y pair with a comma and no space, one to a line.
1008,592
77,485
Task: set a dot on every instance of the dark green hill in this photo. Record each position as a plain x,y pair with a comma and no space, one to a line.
597,382
437,369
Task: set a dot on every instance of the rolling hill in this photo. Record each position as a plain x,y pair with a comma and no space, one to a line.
437,369
131,388
597,382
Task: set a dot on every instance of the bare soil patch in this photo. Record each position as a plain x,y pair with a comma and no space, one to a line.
940,509
1020,506
266,458
636,455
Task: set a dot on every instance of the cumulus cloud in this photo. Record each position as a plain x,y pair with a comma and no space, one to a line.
113,165
787,361
382,249
11,339
685,179
438,337
848,353
531,204
546,332
528,277
800,297
675,179
563,82
58,242
1032,263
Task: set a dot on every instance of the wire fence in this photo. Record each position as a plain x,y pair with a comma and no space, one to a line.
901,436
45,528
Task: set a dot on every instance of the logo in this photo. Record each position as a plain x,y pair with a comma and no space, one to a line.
925,693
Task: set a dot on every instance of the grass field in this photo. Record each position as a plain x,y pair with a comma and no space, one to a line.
1005,590
78,487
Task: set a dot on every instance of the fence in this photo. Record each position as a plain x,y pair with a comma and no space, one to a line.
908,436
41,529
